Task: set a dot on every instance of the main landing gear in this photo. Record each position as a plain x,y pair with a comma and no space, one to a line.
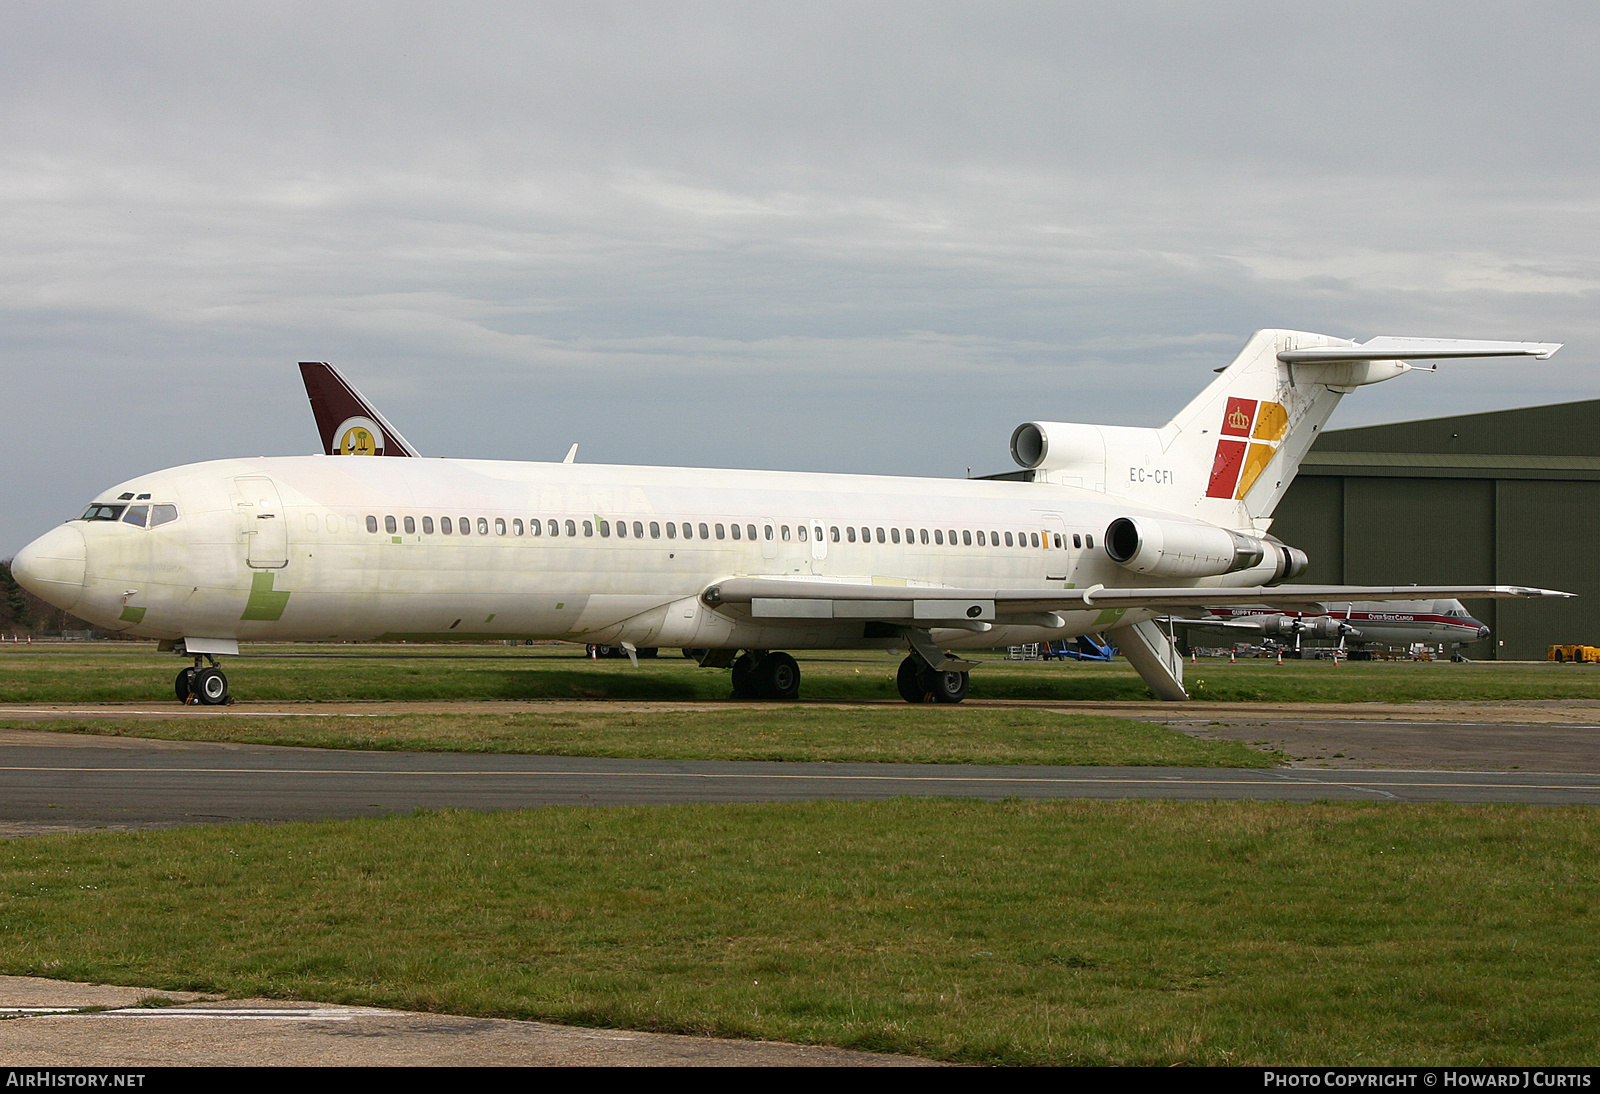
204,685
917,683
760,674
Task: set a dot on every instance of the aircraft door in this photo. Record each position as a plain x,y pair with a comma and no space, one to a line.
262,522
769,538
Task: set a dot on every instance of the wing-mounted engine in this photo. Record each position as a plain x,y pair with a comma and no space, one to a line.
1174,548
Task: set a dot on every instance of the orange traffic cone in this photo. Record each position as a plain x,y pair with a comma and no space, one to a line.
1280,657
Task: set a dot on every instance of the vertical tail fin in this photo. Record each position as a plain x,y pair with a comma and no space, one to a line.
1228,457
350,426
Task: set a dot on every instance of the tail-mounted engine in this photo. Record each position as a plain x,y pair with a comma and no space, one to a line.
1168,548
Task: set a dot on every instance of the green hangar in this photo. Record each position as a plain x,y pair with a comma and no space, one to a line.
1510,497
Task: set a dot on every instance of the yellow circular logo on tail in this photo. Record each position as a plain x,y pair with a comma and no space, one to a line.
359,437
357,442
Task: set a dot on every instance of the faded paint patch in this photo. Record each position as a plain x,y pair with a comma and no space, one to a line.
264,605
132,615
1108,616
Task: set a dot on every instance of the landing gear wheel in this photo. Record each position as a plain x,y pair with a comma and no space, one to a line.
777,676
744,669
211,687
947,687
917,683
184,685
908,681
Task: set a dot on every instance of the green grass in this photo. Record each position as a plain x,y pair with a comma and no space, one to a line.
1073,932
901,734
125,673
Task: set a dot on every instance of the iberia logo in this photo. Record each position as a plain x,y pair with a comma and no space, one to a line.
1239,463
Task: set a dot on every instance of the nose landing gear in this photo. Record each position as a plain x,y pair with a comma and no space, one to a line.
203,685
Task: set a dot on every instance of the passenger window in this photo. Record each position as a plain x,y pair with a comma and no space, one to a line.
516,527
622,529
411,525
850,533
833,533
638,529
464,524
483,526
1058,540
372,524
1088,539
688,530
966,539
390,526
750,531
427,526
535,526
736,532
572,528
894,535
552,527
722,533
817,532
1008,540
866,535
672,530
938,537
166,514
1077,541
499,526
605,529
981,541
655,530
444,525
137,515
804,535
923,535
588,528
705,533
783,530
767,530
1033,539
311,522
880,535
911,535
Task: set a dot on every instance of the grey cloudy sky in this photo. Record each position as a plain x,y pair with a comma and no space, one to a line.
825,235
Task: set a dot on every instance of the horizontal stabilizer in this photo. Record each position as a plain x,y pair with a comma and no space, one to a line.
1419,349
348,423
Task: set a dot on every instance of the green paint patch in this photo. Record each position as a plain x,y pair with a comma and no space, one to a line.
131,614
264,604
1109,616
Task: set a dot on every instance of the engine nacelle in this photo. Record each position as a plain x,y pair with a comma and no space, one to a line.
1171,548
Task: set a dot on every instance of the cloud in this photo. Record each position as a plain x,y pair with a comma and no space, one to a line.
828,236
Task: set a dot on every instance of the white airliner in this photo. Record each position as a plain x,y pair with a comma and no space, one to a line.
1443,623
1106,529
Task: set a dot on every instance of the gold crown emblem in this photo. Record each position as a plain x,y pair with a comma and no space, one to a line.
1238,419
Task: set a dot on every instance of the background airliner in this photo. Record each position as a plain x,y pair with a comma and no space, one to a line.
1105,529
1443,623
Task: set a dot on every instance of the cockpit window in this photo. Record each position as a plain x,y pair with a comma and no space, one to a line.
163,514
103,512
137,515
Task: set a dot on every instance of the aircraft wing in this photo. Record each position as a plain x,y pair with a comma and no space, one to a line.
813,598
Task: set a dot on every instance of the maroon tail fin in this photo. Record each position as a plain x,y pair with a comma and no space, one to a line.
350,426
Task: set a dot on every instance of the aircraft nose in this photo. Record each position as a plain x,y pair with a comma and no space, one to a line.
1483,632
52,567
